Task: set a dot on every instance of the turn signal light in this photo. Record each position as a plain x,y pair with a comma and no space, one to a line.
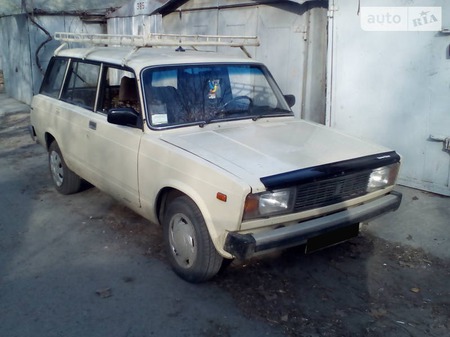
221,197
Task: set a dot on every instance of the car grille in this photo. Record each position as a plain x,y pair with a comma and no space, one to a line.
331,191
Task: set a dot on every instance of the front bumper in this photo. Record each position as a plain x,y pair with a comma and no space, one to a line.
244,246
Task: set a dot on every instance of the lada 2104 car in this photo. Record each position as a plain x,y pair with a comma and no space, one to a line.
206,145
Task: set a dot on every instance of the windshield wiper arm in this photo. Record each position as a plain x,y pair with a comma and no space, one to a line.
276,112
207,121
286,111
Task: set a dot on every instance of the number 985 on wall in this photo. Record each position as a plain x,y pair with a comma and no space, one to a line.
140,5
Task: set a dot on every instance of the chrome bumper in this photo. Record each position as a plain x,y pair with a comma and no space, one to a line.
244,246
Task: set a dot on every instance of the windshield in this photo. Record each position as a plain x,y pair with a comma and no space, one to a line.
200,94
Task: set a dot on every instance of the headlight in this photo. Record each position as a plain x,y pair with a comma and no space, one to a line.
269,203
383,177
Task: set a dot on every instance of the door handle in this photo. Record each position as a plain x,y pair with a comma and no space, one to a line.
443,139
92,125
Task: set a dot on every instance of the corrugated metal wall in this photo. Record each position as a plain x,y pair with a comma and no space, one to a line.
293,40
135,25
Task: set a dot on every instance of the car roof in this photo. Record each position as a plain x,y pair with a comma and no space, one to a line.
147,57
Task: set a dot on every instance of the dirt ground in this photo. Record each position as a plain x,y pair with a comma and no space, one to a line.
364,287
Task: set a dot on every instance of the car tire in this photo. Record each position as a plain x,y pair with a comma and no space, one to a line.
64,180
189,247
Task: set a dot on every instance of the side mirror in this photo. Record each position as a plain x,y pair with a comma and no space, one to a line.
290,99
125,117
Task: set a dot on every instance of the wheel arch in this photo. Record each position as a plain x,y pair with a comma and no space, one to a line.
168,194
165,195
49,138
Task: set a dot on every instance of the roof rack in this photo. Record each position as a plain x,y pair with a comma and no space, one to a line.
161,40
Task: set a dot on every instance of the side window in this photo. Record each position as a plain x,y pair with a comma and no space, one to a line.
119,89
51,86
81,84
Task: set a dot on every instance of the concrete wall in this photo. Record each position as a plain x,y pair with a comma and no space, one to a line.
15,7
23,65
16,57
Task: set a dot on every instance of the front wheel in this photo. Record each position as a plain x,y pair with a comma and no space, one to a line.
65,181
190,249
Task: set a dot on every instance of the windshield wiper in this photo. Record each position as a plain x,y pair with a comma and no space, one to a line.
225,116
284,111
232,112
207,121
275,112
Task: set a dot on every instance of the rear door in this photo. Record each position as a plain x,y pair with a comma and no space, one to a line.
72,112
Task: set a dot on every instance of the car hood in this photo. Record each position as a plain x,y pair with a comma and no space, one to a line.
251,150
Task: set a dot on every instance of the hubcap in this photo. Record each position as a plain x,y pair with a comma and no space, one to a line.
182,240
56,168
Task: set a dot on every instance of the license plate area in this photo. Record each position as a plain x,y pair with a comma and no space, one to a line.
331,238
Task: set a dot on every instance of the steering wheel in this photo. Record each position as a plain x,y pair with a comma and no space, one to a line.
234,99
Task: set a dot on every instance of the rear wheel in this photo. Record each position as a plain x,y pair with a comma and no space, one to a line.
65,181
190,249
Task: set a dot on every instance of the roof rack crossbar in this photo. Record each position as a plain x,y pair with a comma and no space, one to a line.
157,40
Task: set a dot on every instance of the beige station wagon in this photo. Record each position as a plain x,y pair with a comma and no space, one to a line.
206,145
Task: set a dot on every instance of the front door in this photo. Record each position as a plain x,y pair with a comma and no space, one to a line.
113,149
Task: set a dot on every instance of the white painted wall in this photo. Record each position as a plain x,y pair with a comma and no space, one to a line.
393,87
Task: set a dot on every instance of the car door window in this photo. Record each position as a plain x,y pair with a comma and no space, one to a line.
118,89
81,84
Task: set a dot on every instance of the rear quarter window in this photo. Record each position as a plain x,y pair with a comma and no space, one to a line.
51,85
